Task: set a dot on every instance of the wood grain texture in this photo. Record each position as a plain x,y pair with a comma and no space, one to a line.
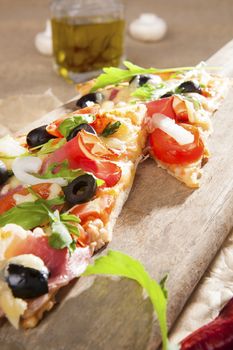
170,229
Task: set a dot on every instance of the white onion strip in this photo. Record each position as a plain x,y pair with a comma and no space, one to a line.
23,169
168,125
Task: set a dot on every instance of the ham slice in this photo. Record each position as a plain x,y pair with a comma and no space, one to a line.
62,265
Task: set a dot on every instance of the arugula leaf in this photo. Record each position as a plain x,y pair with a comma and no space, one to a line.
50,146
144,92
62,169
111,128
30,214
113,75
72,122
60,230
119,264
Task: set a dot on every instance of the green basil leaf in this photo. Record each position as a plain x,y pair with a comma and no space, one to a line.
50,146
72,122
119,264
111,128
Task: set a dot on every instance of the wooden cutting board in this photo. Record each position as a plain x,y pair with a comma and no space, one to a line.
170,229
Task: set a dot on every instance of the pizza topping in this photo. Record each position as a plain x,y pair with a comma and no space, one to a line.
38,136
95,97
81,190
4,174
166,149
86,151
51,146
75,131
24,168
110,129
168,125
39,213
13,308
188,86
27,276
161,106
69,124
10,148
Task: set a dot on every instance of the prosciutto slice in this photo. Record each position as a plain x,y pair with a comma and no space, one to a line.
62,265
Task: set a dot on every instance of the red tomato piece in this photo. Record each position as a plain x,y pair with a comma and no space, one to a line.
166,149
162,106
86,151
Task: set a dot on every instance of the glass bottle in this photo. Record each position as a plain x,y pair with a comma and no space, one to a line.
87,36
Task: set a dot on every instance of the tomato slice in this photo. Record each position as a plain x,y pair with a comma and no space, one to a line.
166,149
162,106
7,201
86,151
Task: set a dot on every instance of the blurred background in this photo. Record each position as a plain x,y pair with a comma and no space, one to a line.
196,29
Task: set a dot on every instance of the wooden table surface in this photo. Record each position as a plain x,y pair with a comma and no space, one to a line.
197,29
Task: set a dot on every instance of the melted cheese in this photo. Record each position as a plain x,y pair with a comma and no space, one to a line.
13,308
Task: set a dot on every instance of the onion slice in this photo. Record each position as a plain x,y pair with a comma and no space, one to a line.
23,169
168,125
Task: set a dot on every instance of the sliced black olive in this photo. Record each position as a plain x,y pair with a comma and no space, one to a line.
26,282
76,130
140,80
38,136
168,94
95,97
189,86
4,174
81,190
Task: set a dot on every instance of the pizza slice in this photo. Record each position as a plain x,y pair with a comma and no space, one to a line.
62,188
180,105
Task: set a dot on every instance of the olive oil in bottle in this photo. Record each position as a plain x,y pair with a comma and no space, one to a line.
87,36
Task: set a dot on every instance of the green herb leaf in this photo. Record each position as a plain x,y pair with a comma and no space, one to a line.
111,128
144,92
72,122
50,146
62,169
113,75
70,217
119,264
60,237
30,214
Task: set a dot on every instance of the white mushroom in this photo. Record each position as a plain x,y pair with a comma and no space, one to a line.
148,27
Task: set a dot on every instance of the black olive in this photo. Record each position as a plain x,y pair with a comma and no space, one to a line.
140,79
38,136
76,130
168,94
189,86
4,174
26,282
81,190
95,97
